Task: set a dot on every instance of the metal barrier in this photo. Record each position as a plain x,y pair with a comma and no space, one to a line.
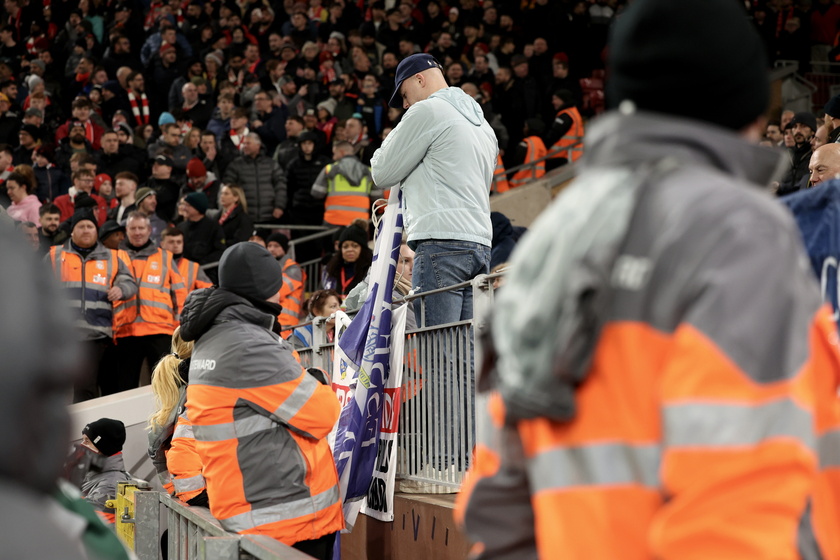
194,534
576,146
437,417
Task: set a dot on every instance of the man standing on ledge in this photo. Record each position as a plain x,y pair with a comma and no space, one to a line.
442,154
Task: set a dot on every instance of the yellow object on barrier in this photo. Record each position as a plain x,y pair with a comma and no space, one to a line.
124,507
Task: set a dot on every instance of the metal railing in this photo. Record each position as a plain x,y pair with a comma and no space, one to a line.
194,534
576,146
437,416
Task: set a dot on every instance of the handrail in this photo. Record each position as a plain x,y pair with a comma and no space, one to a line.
577,145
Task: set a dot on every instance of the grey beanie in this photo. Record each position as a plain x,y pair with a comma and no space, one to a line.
250,271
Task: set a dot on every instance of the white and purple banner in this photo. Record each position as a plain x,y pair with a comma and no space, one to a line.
363,358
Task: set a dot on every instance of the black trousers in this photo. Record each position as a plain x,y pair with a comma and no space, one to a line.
85,388
129,354
321,548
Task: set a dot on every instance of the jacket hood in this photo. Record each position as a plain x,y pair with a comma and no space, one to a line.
352,168
208,306
462,102
618,139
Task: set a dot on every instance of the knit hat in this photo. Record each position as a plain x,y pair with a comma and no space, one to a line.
82,214
32,131
353,233
141,194
109,227
165,47
667,56
99,179
216,56
107,435
165,118
832,108
805,118
195,168
250,271
163,159
198,200
279,238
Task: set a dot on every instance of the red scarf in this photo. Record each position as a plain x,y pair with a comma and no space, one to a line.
227,214
237,138
135,108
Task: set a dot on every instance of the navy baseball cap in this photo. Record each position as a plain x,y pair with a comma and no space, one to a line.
410,66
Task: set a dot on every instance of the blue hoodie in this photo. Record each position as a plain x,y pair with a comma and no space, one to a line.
443,155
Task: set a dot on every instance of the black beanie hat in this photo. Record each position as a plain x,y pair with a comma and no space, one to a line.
81,215
250,271
353,233
199,201
832,108
279,238
700,59
107,435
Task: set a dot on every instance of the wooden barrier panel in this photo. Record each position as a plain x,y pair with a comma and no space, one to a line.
423,529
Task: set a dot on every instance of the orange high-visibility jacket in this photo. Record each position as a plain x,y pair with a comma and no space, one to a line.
194,277
291,294
157,306
572,136
260,423
536,150
87,282
183,462
500,176
707,423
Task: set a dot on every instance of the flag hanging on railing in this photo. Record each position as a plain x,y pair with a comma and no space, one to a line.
817,213
364,349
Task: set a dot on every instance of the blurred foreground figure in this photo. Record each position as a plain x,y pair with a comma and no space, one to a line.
663,373
39,363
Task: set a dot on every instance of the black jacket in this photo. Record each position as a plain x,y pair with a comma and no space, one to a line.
238,227
204,240
302,207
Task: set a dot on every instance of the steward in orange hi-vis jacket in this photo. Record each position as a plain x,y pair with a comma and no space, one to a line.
665,380
259,419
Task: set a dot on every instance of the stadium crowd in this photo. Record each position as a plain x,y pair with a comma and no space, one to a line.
168,130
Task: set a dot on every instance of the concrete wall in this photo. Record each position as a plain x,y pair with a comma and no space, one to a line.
133,409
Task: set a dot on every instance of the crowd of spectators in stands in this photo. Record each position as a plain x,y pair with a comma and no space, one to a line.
212,116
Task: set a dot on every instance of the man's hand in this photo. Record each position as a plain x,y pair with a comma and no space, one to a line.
115,294
277,213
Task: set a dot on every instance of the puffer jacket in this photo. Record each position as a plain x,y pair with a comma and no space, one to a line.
260,423
101,485
263,181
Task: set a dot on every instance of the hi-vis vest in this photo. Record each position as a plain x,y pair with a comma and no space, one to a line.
183,461
190,272
291,295
157,306
87,283
500,176
572,136
346,202
536,150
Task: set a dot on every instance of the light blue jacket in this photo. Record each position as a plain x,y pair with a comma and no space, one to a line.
443,154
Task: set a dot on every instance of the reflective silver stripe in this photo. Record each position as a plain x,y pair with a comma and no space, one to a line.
346,208
298,399
164,478
828,446
189,484
57,261
281,512
710,424
183,431
107,305
94,287
232,430
157,304
593,465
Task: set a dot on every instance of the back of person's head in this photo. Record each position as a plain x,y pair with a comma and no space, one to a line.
667,57
168,378
249,270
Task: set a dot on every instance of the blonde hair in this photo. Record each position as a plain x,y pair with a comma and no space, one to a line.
239,193
167,381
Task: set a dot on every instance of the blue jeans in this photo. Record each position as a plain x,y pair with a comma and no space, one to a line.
441,263
450,375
